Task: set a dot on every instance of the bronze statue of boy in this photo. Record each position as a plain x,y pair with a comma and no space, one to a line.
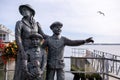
35,61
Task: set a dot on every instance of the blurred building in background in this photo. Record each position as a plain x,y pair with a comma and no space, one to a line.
6,35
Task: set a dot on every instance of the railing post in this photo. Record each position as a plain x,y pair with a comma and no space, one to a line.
113,64
103,65
107,68
6,71
116,65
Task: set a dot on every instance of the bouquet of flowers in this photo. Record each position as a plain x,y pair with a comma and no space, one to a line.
8,51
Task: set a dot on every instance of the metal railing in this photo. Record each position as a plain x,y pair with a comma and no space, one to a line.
103,63
110,63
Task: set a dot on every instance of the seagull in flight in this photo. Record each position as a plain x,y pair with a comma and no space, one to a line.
100,12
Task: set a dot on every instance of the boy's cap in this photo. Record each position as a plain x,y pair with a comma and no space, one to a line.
56,24
35,35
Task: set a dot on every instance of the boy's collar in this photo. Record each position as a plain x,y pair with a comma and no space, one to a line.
56,36
36,49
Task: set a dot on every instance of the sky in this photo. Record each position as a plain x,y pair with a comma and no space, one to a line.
80,18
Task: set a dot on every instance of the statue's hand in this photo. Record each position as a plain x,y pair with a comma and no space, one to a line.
30,76
41,72
24,66
89,40
36,73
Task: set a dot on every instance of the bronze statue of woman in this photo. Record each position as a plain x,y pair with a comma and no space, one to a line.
23,29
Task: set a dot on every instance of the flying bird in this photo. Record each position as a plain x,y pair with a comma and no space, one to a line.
101,13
